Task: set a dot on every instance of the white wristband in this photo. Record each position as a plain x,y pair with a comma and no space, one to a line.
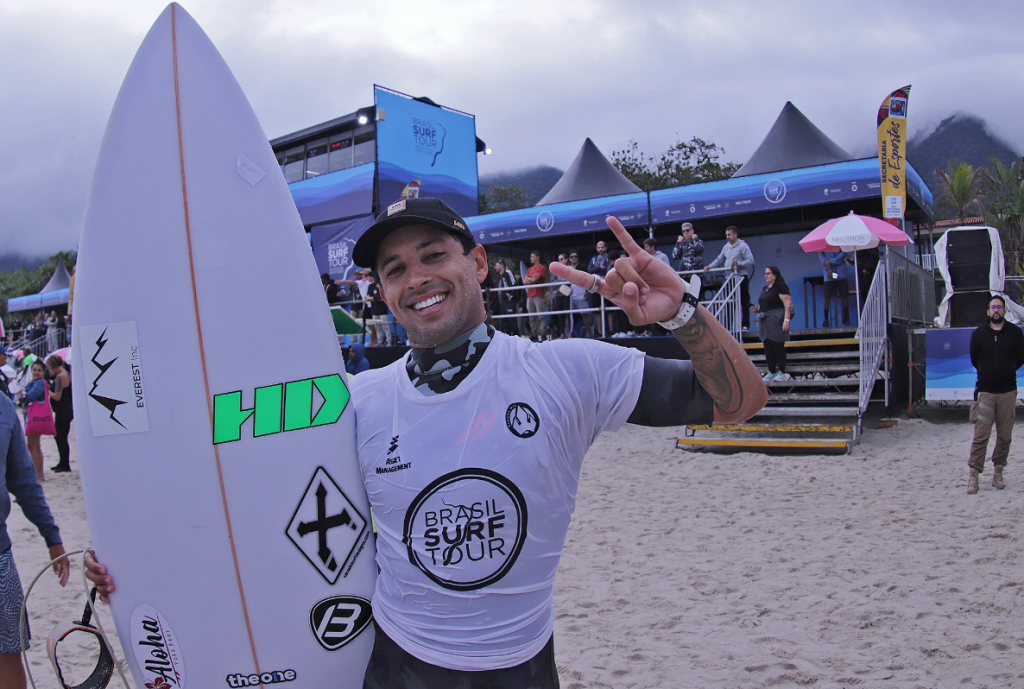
687,308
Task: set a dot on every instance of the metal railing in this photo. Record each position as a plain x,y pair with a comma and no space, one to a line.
873,335
724,305
42,345
911,291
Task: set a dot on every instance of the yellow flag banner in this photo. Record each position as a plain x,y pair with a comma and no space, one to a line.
892,153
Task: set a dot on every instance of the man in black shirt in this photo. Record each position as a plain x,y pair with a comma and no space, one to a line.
330,288
997,351
4,380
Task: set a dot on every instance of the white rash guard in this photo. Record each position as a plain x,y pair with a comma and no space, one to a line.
472,491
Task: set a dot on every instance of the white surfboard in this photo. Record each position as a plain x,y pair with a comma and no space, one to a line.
219,471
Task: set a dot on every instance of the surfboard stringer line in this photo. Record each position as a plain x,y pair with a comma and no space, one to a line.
199,331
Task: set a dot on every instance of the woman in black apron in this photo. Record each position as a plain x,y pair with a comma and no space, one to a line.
775,306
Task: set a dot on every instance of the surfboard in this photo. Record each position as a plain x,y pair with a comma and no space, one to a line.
219,472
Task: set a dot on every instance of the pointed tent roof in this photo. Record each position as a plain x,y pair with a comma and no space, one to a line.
59,280
792,142
590,176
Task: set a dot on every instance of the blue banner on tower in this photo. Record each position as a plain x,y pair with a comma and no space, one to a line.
425,150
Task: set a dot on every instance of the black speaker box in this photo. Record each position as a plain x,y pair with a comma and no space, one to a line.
969,276
968,309
957,239
969,256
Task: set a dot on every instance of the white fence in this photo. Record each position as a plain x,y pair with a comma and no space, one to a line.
724,305
872,333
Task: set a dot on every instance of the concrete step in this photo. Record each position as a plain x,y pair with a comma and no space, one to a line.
804,369
765,443
814,383
748,427
831,397
853,355
807,412
795,344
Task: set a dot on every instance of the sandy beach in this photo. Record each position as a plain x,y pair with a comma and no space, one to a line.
696,570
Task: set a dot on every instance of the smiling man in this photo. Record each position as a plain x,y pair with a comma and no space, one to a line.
471,445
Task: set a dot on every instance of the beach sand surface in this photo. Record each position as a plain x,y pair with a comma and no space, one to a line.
684,569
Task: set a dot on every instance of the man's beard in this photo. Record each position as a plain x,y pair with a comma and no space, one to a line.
997,319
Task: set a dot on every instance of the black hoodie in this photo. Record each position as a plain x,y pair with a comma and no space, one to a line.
997,354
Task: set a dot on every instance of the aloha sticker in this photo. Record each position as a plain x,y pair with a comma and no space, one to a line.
156,650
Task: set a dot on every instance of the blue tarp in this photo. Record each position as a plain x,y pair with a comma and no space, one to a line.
39,301
560,218
855,179
340,194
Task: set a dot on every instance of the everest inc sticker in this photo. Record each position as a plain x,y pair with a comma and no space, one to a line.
115,387
156,650
466,529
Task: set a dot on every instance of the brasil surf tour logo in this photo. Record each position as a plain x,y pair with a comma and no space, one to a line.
466,529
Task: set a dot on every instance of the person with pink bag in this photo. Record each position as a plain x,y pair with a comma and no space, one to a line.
38,415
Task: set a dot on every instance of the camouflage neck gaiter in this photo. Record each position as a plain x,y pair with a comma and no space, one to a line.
440,369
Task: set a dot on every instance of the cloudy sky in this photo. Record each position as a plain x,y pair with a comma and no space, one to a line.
539,75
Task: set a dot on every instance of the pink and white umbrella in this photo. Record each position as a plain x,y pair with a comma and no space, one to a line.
853,232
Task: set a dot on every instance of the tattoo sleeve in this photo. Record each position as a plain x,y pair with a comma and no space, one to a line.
712,350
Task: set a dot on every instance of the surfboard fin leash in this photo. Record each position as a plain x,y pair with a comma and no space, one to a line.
106,662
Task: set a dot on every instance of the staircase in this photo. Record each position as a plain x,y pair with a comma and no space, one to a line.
817,411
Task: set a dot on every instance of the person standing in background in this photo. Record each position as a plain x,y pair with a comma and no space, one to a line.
52,338
833,266
18,479
651,247
5,389
535,302
63,412
579,297
997,351
689,250
774,306
561,301
736,254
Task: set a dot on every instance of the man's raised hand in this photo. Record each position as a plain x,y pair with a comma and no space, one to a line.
646,289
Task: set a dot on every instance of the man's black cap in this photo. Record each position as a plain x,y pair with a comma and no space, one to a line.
427,211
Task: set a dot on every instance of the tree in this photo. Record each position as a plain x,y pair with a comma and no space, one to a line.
959,185
502,197
1003,188
685,162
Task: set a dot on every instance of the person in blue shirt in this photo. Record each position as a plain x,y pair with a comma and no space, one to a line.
833,267
357,361
18,477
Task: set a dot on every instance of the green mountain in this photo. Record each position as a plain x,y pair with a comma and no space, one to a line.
11,262
535,181
962,136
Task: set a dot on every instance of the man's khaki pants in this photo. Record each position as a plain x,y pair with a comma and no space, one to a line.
995,408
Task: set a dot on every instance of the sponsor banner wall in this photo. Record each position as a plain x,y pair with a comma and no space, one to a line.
948,373
425,150
892,153
341,194
39,301
853,179
333,244
560,218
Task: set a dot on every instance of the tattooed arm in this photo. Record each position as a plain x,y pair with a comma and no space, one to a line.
649,291
722,367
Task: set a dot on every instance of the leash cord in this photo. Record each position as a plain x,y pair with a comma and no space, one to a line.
90,607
